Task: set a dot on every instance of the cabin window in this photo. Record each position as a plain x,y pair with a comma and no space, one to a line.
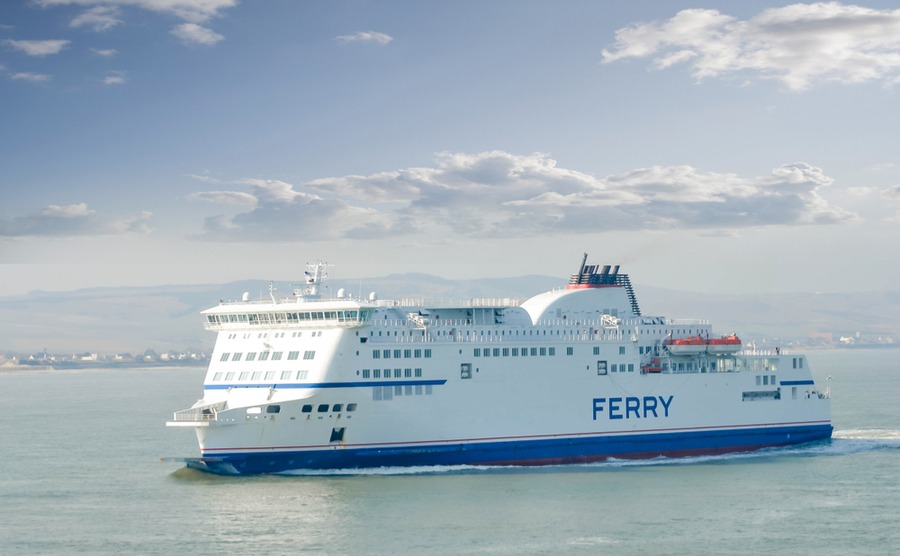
236,357
286,375
418,373
264,356
407,353
386,353
515,352
276,356
601,367
407,373
301,375
376,373
307,355
256,375
570,351
417,353
293,355
217,377
229,376
337,408
366,373
251,356
307,408
505,352
496,352
396,354
351,407
596,350
476,352
273,409
244,375
428,352
621,350
323,408
225,357
376,354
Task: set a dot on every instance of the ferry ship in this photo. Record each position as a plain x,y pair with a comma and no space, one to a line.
574,375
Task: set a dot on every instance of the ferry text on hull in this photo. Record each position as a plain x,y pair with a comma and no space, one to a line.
569,376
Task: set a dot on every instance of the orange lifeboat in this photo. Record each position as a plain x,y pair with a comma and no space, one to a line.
686,346
698,344
725,344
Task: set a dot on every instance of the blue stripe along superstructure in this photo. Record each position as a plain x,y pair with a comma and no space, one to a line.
361,384
565,449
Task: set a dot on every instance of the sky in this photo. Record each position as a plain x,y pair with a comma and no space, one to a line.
716,146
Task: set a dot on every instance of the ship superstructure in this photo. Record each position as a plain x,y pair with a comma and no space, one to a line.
572,375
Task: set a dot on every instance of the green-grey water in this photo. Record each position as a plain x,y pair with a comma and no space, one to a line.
80,472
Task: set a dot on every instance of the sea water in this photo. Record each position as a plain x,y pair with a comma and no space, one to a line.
80,472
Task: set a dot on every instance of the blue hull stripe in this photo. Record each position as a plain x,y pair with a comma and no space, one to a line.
796,382
546,451
364,384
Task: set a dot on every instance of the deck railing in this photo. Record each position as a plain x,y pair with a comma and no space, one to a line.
199,414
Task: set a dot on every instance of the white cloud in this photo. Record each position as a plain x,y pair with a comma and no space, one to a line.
799,44
105,52
224,197
196,11
72,220
98,18
30,77
102,15
892,192
365,37
114,78
499,194
191,33
38,48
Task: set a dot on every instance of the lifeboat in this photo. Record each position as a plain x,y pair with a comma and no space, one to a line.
725,344
698,344
654,367
686,346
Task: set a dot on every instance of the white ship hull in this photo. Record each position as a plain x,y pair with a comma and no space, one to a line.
460,391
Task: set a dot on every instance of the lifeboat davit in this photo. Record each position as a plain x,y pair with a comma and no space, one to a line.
698,344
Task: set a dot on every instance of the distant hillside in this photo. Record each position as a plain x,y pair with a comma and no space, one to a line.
164,318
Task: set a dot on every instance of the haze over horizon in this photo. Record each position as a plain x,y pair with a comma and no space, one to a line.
716,147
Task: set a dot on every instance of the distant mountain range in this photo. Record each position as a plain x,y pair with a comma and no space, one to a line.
166,318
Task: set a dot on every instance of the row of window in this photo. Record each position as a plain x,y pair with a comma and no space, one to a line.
406,373
529,351
383,393
265,355
401,353
253,319
324,407
765,380
230,376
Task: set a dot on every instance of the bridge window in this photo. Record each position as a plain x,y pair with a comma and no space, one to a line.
307,408
323,408
273,409
351,407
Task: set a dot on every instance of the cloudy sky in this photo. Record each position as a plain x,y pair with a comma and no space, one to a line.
708,146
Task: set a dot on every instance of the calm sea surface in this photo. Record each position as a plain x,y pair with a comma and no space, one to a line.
80,473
